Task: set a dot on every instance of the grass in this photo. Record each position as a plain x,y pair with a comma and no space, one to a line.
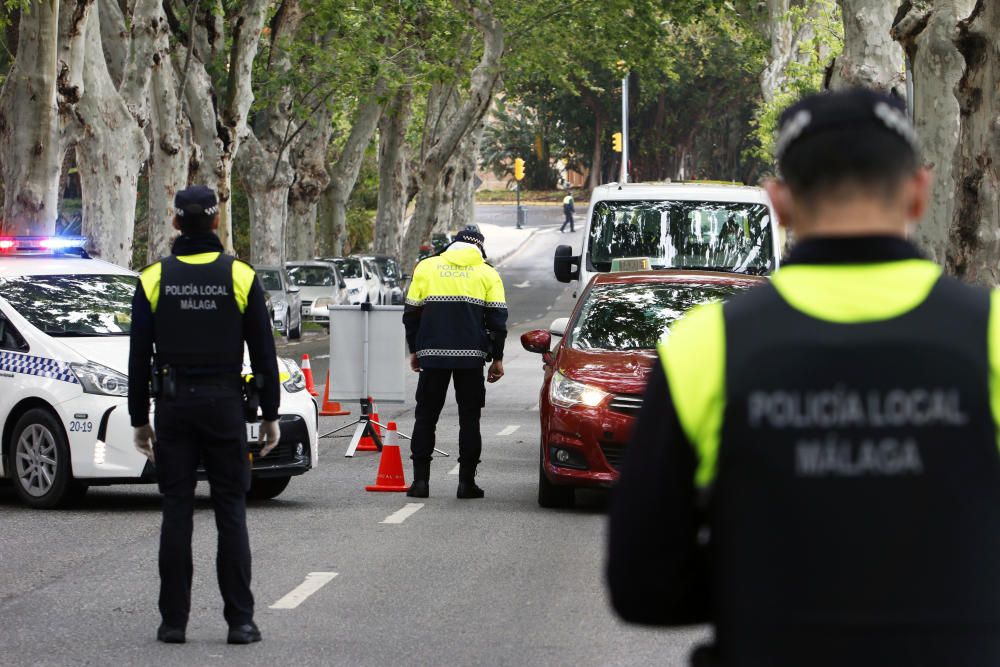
553,196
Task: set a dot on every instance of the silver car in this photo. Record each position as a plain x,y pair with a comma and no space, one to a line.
285,300
320,285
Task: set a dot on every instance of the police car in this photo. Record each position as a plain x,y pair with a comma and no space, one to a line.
64,345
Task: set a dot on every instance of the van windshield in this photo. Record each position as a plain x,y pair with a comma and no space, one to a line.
717,236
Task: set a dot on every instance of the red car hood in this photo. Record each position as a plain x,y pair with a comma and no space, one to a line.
613,372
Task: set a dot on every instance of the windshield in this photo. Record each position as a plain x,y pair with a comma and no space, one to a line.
723,236
270,280
312,276
73,305
636,317
389,268
349,267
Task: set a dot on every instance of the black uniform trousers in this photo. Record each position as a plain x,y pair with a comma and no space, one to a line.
432,390
203,423
568,221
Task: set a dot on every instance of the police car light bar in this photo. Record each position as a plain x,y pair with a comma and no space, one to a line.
40,244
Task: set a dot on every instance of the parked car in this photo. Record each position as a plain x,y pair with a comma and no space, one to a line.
393,279
64,347
320,285
595,377
436,244
362,283
286,300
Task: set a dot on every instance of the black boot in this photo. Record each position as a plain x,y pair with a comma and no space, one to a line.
420,488
170,635
248,633
467,482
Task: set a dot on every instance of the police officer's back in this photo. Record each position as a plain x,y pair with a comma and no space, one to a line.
191,314
815,469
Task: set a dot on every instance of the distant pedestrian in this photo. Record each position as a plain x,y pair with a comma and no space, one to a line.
191,314
568,210
456,320
815,469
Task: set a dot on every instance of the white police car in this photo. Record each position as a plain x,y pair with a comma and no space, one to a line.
64,424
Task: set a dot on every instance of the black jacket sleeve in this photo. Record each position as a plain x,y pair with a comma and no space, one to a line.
263,355
496,324
140,355
656,569
411,322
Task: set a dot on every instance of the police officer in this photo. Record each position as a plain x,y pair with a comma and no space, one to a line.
191,314
456,319
568,210
815,469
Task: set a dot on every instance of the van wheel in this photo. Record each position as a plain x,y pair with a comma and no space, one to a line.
296,333
40,462
552,496
265,488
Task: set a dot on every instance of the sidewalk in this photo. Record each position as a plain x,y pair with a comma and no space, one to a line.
502,242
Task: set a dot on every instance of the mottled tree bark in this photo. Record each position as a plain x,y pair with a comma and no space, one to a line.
392,172
464,189
311,179
975,249
928,30
871,58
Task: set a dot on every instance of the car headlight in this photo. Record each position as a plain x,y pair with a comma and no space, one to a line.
296,380
101,380
568,393
321,303
280,306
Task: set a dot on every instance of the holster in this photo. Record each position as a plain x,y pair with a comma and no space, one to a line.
163,382
251,398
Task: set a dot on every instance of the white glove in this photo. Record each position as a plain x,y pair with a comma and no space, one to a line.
143,437
268,437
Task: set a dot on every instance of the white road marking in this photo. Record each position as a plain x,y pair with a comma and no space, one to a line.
322,356
402,515
454,471
508,430
314,581
526,284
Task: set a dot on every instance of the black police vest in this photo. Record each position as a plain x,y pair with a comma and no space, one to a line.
858,480
197,321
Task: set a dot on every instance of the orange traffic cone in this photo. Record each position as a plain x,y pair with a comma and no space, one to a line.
331,408
307,371
367,443
390,467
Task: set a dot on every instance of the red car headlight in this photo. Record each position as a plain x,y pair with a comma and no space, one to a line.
567,393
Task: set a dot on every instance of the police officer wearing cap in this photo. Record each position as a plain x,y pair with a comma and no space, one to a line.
816,469
456,319
191,314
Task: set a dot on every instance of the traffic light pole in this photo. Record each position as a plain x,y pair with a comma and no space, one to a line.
624,178
518,190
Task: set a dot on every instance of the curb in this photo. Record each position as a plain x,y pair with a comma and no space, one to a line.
529,203
497,261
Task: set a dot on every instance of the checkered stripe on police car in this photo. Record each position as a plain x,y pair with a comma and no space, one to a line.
25,364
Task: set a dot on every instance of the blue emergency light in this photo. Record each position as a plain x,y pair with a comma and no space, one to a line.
41,244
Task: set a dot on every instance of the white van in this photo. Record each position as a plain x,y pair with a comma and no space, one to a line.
704,226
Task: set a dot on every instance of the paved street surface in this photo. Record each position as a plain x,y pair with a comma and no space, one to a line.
492,582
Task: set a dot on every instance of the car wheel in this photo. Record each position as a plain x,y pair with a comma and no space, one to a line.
295,333
265,488
40,461
553,496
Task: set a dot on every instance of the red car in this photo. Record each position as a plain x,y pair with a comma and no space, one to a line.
596,375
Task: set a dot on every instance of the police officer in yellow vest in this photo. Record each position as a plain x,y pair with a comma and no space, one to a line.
456,319
816,468
568,210
191,314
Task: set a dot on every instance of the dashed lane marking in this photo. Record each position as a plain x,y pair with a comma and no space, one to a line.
402,515
454,471
314,581
508,430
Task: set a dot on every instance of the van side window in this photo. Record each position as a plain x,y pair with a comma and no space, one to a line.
10,339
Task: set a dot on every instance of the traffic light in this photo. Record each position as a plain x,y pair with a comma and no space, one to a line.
616,142
518,169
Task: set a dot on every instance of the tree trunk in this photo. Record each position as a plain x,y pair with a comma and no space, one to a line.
463,205
785,39
31,142
110,152
392,172
344,173
482,85
928,30
975,251
311,179
267,178
300,230
871,58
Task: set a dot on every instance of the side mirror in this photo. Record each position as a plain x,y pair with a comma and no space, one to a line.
293,289
558,327
538,341
343,284
566,265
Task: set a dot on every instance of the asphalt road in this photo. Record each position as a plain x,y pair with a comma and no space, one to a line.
497,581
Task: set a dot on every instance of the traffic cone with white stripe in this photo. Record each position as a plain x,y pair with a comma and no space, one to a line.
390,475
307,371
331,408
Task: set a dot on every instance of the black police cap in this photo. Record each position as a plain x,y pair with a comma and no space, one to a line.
196,200
860,108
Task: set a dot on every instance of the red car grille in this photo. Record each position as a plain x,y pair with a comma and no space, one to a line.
614,454
628,403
